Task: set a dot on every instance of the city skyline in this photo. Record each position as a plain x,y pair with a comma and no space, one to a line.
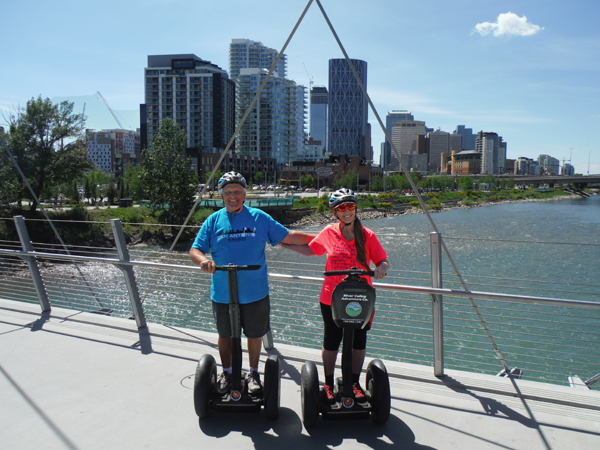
525,70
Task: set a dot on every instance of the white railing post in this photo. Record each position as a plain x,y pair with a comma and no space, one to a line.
132,287
435,240
267,340
34,268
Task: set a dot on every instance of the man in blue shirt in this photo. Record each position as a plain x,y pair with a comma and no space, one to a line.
237,234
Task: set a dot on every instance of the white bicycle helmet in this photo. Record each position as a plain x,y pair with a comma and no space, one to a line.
231,177
342,195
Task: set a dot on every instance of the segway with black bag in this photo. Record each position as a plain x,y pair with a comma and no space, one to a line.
207,399
352,305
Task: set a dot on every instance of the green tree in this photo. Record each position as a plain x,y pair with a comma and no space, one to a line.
47,143
168,182
133,183
258,178
466,183
111,193
348,181
307,181
376,183
215,180
9,179
71,192
97,181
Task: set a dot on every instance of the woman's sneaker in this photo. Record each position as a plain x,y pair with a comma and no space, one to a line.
327,395
223,383
359,395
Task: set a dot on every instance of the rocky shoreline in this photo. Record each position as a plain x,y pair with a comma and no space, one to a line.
325,218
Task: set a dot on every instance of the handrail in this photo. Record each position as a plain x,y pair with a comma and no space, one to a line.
285,277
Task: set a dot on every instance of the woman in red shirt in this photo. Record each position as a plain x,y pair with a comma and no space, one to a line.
347,244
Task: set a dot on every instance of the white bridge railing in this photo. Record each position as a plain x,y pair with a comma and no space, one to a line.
549,339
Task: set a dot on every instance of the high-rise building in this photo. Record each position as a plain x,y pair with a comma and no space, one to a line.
196,94
112,150
274,128
318,115
348,109
567,170
392,116
493,152
548,164
468,138
247,54
404,133
439,142
525,166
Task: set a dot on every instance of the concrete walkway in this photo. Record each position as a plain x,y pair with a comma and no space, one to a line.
72,380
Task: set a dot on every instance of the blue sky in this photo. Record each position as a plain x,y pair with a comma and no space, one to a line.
528,70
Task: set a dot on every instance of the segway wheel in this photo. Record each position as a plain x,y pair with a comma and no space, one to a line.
272,387
310,394
204,381
378,384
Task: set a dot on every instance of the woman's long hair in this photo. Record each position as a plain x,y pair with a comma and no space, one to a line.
359,242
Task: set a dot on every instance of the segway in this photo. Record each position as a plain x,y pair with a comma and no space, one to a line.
352,306
207,399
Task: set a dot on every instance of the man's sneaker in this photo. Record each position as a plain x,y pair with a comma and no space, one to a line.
223,383
327,395
253,383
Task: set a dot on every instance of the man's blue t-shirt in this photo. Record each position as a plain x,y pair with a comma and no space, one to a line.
239,239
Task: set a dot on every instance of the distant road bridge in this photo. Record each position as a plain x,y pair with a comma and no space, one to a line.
543,179
266,204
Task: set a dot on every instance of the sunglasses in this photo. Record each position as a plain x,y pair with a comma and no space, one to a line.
346,206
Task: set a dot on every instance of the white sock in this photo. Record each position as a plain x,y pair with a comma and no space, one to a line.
254,369
227,369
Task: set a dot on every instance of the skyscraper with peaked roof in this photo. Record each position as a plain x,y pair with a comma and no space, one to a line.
348,108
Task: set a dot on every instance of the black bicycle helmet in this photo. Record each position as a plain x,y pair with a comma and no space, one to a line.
342,195
231,177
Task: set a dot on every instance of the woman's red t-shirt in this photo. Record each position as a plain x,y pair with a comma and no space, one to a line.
341,255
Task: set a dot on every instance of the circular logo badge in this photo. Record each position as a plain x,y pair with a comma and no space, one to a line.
348,402
353,309
236,395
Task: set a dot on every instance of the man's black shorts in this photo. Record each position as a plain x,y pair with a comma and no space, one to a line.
254,318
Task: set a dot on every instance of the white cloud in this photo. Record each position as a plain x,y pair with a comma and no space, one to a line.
508,24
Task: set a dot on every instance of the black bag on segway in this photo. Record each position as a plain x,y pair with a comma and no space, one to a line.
352,303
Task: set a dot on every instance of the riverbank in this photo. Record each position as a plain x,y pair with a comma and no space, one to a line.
325,218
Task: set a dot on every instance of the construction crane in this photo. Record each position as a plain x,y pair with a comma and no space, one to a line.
310,79
111,110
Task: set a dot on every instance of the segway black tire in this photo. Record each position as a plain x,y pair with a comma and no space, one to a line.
310,394
204,381
272,387
378,384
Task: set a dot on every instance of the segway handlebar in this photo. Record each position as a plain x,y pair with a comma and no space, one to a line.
351,271
233,267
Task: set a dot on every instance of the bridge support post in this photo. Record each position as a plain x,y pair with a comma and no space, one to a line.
34,268
435,240
132,287
267,340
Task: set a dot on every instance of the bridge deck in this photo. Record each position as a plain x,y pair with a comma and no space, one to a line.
82,381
